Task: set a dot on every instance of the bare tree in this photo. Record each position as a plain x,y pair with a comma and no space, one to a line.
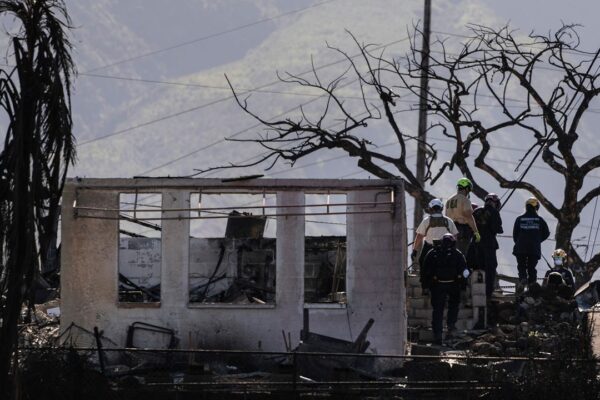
38,148
543,85
540,85
340,123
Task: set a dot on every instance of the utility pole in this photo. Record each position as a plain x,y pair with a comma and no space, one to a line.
422,127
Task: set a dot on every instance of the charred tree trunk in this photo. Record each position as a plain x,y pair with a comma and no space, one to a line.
567,221
21,261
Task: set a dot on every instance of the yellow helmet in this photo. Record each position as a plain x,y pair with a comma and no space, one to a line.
559,253
532,201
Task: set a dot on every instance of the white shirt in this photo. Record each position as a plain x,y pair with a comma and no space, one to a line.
436,232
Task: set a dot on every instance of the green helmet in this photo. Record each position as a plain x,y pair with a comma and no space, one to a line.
464,183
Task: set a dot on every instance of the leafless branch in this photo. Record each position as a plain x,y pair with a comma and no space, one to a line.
537,108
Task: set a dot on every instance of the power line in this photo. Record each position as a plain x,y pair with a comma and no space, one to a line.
504,148
210,36
179,113
595,236
563,117
248,90
551,68
264,153
257,89
533,44
435,139
258,125
330,127
205,147
236,134
357,172
203,86
587,247
195,151
512,162
328,160
147,123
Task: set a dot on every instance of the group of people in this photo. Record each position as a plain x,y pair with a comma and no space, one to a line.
448,247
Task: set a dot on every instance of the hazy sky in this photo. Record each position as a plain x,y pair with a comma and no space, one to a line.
196,42
151,98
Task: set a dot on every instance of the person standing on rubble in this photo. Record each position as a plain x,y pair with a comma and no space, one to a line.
529,231
443,273
559,259
489,224
472,254
431,228
459,210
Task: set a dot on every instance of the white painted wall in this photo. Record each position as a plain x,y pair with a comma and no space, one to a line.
375,270
140,260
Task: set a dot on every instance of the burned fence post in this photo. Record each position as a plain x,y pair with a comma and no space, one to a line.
295,371
97,335
305,324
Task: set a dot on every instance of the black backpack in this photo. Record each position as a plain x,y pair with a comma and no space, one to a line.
443,268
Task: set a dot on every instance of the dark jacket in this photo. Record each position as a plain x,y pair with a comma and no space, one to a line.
529,231
489,225
566,274
442,265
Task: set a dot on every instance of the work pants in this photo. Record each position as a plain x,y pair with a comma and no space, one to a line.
463,239
440,292
488,262
424,250
526,264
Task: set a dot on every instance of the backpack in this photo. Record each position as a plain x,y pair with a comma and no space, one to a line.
437,222
482,217
443,268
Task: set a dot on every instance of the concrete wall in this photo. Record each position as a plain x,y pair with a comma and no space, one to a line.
376,254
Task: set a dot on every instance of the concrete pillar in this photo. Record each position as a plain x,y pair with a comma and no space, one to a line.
175,247
290,251
375,268
89,264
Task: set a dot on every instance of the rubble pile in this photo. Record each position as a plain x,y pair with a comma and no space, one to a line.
540,322
44,328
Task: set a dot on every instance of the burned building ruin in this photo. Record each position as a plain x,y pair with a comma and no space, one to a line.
230,265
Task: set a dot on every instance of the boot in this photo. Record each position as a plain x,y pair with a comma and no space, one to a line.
520,288
451,332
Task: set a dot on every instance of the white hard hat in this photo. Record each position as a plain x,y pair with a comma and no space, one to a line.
436,203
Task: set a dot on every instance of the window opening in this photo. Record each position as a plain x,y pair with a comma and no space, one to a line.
140,249
325,248
232,248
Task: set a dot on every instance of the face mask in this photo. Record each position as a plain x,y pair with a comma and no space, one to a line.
558,262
